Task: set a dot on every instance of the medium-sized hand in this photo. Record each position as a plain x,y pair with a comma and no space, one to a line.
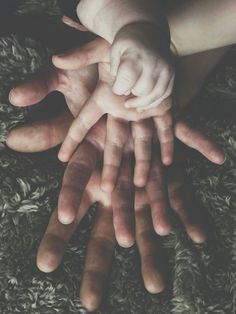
80,168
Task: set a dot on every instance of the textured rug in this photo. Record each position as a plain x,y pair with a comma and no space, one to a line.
203,278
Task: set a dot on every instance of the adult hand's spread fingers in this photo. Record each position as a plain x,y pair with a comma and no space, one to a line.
200,142
98,260
158,197
76,177
123,204
39,136
183,202
147,242
33,91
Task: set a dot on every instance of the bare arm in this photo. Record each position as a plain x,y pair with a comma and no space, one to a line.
107,17
202,25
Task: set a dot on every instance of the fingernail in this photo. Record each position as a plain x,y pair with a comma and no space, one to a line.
11,96
66,220
62,156
224,161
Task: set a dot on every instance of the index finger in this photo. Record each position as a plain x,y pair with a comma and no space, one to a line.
76,177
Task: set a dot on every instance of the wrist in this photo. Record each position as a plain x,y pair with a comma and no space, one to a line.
154,33
107,17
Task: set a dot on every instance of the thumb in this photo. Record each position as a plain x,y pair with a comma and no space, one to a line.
94,52
39,136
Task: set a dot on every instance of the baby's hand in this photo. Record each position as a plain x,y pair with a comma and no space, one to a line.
142,66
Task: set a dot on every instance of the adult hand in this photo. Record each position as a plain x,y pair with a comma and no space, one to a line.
102,240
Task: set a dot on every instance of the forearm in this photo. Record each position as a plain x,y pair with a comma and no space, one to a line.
202,25
107,17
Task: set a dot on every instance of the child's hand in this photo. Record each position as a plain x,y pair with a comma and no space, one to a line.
142,66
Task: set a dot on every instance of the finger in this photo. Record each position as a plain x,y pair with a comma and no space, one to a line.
183,202
116,138
123,204
200,142
85,120
142,135
91,53
71,23
145,84
127,76
158,103
157,193
52,246
33,91
148,246
76,177
156,96
98,260
165,134
39,136
115,60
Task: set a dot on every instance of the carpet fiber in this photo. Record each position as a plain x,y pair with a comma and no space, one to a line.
202,278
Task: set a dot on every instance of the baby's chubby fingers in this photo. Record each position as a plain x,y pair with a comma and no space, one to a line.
127,76
162,90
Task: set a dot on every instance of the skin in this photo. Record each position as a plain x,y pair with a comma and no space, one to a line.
102,242
140,54
50,133
98,52
191,31
76,85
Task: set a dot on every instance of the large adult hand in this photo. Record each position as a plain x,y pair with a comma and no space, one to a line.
103,237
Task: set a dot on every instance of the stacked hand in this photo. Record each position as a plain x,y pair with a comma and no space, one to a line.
79,195
76,82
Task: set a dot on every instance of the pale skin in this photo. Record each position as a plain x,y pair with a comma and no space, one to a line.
140,56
